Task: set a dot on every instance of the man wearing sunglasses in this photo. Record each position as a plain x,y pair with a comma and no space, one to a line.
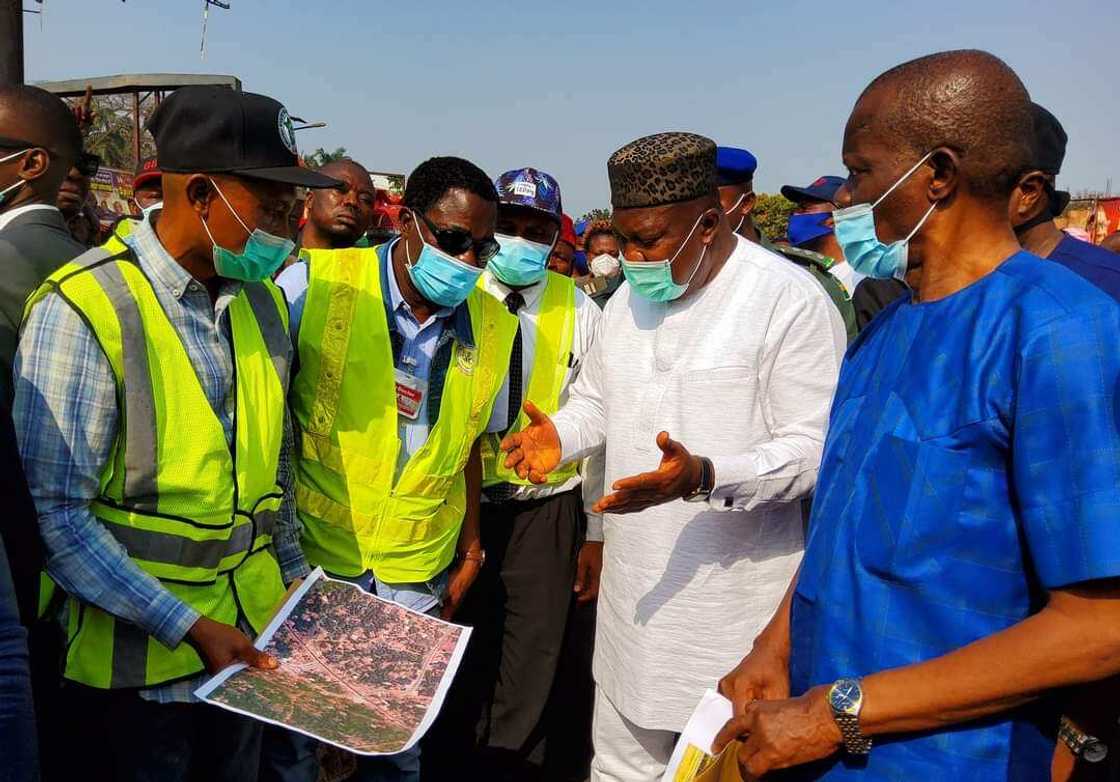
401,355
525,688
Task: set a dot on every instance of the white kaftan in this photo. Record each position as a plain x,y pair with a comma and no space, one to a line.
741,372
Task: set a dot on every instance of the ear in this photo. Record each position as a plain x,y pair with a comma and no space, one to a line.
747,206
1030,196
946,178
200,194
35,164
709,223
307,202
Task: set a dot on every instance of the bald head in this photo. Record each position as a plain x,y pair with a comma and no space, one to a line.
41,141
31,114
337,168
968,101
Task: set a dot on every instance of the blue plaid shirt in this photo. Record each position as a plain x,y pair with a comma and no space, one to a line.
972,464
66,419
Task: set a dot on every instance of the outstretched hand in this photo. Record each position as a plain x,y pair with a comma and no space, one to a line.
533,452
677,476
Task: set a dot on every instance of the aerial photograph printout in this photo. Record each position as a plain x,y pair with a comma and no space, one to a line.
356,671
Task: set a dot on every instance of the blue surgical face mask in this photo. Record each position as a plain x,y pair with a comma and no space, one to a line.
440,278
807,226
15,185
520,262
653,280
855,231
146,211
263,254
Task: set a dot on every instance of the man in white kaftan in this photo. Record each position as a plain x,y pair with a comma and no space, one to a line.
735,353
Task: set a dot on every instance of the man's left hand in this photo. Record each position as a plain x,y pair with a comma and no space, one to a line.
781,734
588,569
462,577
677,476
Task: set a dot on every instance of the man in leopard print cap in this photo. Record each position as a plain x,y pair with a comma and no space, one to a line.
734,353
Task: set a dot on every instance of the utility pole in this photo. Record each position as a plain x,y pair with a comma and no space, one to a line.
11,42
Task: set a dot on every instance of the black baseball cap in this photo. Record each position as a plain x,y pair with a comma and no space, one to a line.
216,130
1049,150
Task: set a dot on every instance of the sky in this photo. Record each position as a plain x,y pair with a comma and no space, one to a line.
561,85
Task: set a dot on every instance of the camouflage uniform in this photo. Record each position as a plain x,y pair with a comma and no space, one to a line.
818,265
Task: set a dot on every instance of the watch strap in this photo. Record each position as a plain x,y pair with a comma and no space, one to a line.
707,483
855,743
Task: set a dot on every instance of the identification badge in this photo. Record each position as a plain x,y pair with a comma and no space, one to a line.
410,394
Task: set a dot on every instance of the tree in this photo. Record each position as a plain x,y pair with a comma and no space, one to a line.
108,133
596,214
771,214
321,157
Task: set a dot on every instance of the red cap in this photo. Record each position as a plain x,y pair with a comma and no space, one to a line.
567,231
148,171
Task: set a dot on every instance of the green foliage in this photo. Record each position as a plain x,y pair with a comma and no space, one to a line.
596,214
771,214
109,136
321,157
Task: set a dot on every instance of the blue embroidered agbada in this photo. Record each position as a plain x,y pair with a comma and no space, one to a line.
972,464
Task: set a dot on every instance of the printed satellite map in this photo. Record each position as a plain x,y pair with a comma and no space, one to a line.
355,670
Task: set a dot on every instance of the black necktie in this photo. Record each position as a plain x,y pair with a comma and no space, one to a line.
514,301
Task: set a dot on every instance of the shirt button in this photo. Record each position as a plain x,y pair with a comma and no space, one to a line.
176,292
193,286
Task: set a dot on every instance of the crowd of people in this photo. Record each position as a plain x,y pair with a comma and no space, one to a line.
859,477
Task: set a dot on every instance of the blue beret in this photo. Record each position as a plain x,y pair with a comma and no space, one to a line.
734,166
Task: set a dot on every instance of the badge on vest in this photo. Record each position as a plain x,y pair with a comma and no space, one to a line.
466,359
410,394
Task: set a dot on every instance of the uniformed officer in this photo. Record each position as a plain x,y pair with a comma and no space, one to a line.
810,227
735,176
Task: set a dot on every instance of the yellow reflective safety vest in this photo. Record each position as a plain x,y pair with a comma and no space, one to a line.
356,517
115,243
556,328
173,494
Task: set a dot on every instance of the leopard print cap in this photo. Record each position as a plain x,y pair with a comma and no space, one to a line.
664,168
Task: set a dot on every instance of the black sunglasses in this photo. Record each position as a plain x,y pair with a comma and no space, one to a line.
456,241
87,162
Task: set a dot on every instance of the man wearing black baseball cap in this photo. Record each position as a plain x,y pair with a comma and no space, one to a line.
1035,203
137,374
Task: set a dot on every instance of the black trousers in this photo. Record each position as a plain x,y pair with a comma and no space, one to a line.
117,735
520,708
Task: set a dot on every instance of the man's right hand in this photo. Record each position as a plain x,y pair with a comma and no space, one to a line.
221,645
533,452
763,675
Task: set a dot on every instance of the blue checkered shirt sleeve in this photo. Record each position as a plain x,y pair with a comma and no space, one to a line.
65,413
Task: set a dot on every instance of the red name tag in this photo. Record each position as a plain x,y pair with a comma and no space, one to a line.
410,394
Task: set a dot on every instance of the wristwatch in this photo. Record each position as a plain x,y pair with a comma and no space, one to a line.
703,491
1081,744
845,698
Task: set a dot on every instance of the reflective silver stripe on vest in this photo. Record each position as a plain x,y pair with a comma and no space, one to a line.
182,552
276,337
141,449
130,656
266,521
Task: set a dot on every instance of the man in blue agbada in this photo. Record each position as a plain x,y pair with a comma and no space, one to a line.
964,548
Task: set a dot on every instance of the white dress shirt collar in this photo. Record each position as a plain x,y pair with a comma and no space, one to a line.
12,214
